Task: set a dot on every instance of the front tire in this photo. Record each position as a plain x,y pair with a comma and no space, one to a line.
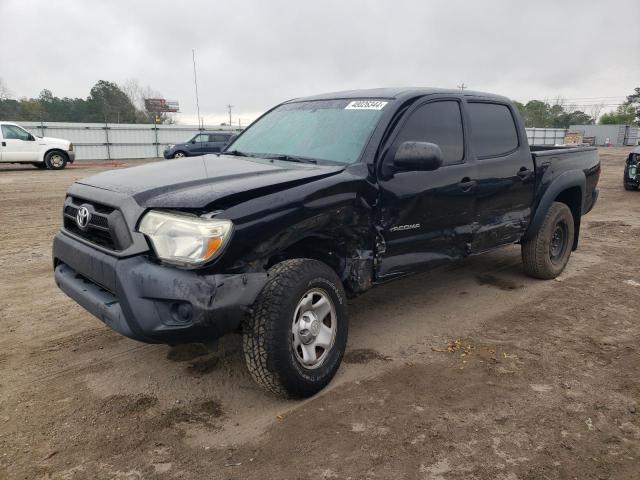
297,334
179,155
55,160
546,254
40,165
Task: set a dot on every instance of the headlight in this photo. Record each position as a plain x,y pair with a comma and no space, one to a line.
185,240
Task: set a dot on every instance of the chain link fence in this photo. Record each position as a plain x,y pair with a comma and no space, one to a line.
111,141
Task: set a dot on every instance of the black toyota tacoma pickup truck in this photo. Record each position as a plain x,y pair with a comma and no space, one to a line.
320,199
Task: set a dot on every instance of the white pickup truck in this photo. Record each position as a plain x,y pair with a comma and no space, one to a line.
19,146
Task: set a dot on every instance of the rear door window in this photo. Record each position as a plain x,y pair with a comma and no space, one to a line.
437,122
493,129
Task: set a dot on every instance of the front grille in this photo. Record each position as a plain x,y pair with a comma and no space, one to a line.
97,221
98,230
94,235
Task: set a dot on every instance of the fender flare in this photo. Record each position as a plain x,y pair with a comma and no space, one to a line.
566,180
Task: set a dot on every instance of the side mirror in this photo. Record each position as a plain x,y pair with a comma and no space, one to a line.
31,138
417,156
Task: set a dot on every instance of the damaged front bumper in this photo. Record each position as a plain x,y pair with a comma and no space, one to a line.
149,302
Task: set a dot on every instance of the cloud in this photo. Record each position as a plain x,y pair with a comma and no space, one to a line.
253,54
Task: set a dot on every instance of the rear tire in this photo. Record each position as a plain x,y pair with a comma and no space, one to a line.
297,334
55,160
546,254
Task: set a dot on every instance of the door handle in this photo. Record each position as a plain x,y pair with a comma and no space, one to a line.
467,184
525,174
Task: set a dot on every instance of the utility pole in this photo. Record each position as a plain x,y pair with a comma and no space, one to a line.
462,86
229,107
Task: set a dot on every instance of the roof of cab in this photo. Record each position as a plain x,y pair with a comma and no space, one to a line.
395,93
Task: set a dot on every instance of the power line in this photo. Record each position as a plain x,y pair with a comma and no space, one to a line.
590,98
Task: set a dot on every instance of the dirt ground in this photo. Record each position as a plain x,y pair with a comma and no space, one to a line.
472,371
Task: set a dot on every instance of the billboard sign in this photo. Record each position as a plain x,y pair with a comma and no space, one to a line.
160,105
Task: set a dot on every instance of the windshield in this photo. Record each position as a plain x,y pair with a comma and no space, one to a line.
332,130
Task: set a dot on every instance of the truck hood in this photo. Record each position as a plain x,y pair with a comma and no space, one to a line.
52,141
197,182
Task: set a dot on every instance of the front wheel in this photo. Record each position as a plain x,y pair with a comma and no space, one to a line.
546,254
179,155
297,334
55,160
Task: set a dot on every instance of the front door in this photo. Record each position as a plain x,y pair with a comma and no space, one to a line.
199,144
504,194
18,145
426,217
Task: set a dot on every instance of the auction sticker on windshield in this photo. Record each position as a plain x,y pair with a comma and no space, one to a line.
366,105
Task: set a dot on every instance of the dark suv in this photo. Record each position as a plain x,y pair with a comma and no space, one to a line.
202,143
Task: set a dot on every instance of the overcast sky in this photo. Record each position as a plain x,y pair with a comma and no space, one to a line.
255,53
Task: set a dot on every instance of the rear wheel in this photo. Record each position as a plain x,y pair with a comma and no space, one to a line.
546,254
295,339
55,160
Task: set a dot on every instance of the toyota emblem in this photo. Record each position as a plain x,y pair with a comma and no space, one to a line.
82,217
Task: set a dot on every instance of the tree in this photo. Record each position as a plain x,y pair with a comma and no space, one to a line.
541,114
5,93
536,114
137,94
634,101
625,114
108,103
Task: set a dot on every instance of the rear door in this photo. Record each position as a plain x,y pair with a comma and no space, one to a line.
218,141
427,216
18,145
504,194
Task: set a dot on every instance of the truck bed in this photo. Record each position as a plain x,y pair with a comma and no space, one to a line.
552,162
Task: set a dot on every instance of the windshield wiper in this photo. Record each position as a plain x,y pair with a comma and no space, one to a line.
236,153
291,158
